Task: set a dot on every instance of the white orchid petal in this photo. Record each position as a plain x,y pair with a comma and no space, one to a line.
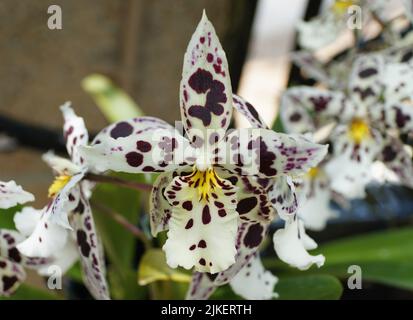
46,240
12,194
290,248
253,282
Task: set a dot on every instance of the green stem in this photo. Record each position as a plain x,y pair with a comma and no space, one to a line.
117,217
118,181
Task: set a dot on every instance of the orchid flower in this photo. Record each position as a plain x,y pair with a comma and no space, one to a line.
68,216
369,118
12,194
280,197
314,196
194,197
335,73
334,20
12,263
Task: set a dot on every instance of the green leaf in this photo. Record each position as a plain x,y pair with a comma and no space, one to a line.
120,244
309,287
6,217
384,257
26,292
153,267
301,287
114,103
278,125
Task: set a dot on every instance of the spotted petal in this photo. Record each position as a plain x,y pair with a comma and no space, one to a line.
320,32
205,90
268,154
281,193
321,105
249,112
143,144
366,81
89,247
397,116
160,209
11,275
75,133
12,194
314,200
65,201
395,156
291,245
253,282
202,230
350,168
398,82
46,239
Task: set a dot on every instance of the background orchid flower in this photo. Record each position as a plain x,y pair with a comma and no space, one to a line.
200,207
314,196
12,194
363,114
12,263
68,216
334,20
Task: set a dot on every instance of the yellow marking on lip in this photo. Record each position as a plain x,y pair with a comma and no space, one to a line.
359,130
340,6
58,184
313,172
205,181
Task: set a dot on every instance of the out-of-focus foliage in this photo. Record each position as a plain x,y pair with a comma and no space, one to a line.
114,103
385,257
153,267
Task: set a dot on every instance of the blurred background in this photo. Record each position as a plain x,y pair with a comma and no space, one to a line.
139,45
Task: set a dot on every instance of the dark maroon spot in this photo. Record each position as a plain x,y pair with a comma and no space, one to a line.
295,117
15,255
80,207
192,247
367,73
218,204
121,130
148,169
389,154
189,224
320,103
134,159
202,82
210,57
9,282
202,262
253,112
82,243
253,237
202,244
222,213
401,119
143,146
246,205
206,216
187,205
